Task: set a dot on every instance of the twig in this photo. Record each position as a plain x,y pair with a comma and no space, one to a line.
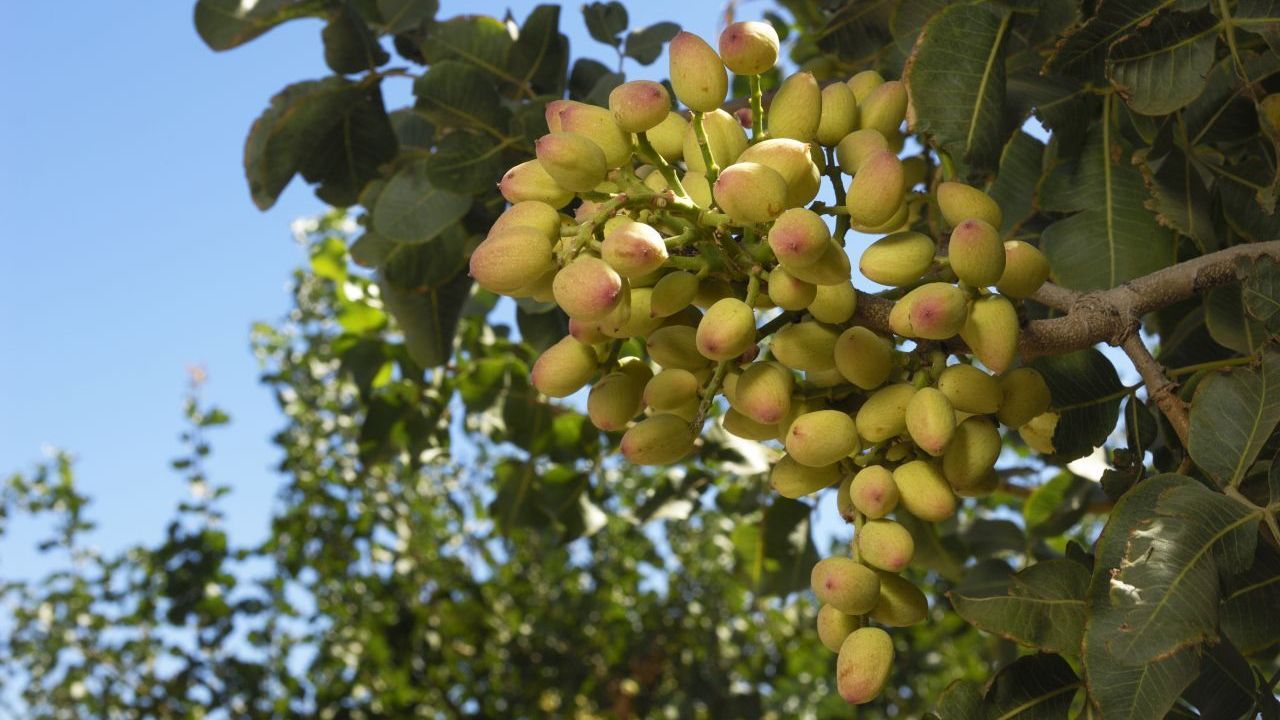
1160,389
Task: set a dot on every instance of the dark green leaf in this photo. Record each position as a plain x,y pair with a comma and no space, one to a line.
1083,51
776,551
956,81
1055,506
455,94
224,24
1249,601
371,250
858,30
1111,237
428,317
1224,111
349,46
1239,188
1233,413
605,20
1165,591
1229,325
413,210
542,330
1139,425
586,74
401,16
1042,607
985,538
478,40
1033,687
1086,394
962,700
1162,66
413,129
1179,197
427,264
540,55
1226,687
1260,289
334,132
1021,167
466,163
645,45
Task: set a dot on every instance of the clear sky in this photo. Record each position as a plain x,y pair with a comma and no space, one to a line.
134,251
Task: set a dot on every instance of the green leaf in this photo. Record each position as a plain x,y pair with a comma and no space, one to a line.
428,317
1116,688
776,552
1178,195
1086,393
1021,167
224,24
466,163
371,249
402,16
1055,506
857,31
1239,188
349,46
413,129
540,55
542,330
413,210
962,700
645,45
1083,51
1139,425
605,20
477,40
1249,600
1164,593
1033,687
455,94
1260,289
1233,413
1162,66
427,264
956,80
1224,110
1111,237
1226,687
1229,325
1042,607
333,132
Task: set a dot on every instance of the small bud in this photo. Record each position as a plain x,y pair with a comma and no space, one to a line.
863,358
675,346
614,400
885,544
805,346
794,161
750,193
924,491
873,492
697,74
933,311
1025,270
562,369
788,292
821,438
834,303
834,626
670,389
855,147
659,440
976,253
876,190
587,288
901,603
668,137
970,389
884,414
633,249
639,105
839,114
799,237
863,83
991,331
845,584
792,479
597,123
507,260
884,108
863,666
727,330
749,48
529,181
725,139
972,453
763,392
959,202
673,293
796,108
931,420
898,259
1024,395
572,160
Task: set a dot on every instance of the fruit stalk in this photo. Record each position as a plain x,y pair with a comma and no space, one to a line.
704,146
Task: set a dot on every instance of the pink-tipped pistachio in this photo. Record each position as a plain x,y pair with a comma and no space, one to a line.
750,193
640,105
749,48
587,288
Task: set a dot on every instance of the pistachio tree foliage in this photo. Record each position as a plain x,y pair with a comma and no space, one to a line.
450,542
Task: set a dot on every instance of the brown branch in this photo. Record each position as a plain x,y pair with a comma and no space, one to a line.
1160,389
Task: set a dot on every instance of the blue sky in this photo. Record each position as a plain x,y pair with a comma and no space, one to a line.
134,251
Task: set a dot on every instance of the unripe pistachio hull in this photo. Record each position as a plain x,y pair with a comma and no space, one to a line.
863,665
845,584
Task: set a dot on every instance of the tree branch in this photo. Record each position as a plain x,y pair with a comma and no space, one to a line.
1160,389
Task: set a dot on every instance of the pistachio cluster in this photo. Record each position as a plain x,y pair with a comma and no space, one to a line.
696,265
